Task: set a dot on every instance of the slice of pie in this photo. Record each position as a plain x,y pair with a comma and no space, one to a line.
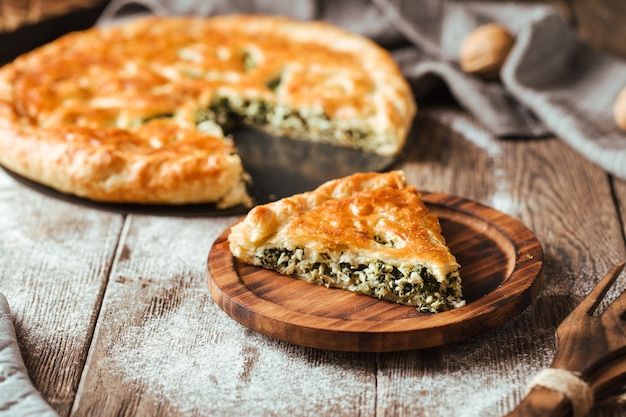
369,233
136,113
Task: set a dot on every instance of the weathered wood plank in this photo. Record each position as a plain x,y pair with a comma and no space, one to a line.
163,348
601,23
619,187
54,262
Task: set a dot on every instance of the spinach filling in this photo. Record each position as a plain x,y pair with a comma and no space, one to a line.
248,61
378,279
270,257
228,115
278,119
274,83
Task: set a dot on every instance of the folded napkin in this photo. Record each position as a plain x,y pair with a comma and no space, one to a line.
551,82
18,397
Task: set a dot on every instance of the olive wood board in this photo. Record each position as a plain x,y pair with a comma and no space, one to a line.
501,269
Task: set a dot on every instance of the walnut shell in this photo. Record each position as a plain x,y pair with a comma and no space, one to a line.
485,49
619,110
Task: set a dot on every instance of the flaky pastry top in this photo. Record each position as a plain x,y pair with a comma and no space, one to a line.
375,214
121,76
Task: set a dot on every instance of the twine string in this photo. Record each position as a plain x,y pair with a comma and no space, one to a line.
568,383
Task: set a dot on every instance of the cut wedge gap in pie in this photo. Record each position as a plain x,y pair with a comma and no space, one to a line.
369,233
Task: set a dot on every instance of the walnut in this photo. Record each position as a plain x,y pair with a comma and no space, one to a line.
485,49
619,110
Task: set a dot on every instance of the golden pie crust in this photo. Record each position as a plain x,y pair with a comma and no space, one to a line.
118,114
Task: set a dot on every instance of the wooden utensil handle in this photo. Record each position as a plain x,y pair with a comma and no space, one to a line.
542,402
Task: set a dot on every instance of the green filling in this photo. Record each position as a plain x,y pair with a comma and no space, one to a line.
229,113
157,116
376,279
384,241
270,257
248,61
274,83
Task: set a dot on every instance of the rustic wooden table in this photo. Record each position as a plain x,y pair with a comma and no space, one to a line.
114,317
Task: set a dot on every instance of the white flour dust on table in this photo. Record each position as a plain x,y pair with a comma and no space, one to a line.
175,361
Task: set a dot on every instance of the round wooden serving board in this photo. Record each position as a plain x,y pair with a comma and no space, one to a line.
501,268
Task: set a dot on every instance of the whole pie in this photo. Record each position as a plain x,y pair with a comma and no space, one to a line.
136,113
368,233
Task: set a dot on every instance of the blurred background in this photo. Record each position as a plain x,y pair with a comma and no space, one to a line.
25,24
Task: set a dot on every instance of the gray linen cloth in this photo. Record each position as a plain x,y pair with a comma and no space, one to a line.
18,397
552,83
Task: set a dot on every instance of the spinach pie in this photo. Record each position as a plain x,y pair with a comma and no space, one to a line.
369,233
137,112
